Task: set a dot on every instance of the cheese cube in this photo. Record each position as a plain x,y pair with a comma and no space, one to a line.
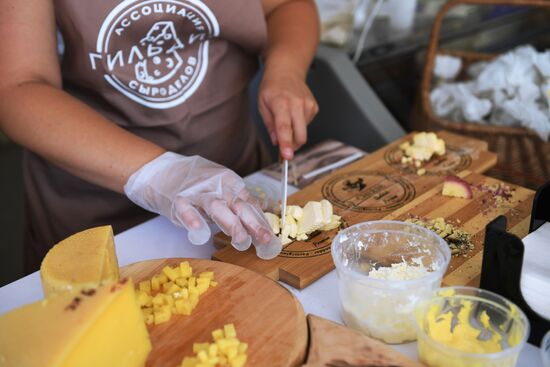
158,300
145,286
166,286
243,347
212,350
189,362
238,361
173,289
162,278
207,274
334,223
217,334
155,283
312,219
229,331
202,356
232,352
294,211
290,229
197,347
163,314
185,269
274,222
182,282
326,208
171,273
143,299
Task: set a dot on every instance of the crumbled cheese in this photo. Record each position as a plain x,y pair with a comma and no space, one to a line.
400,271
423,148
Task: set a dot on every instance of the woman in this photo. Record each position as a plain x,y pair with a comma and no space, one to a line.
149,94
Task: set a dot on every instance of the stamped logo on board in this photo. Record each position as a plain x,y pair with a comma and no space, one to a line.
316,245
368,191
453,161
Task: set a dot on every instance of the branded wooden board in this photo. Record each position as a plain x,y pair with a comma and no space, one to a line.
266,315
380,187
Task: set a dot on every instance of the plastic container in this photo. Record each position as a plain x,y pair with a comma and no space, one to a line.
384,308
545,350
487,329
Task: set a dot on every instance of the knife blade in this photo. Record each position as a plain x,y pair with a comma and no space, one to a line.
284,192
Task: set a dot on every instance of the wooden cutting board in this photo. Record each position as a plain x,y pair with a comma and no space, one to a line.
382,188
334,345
266,315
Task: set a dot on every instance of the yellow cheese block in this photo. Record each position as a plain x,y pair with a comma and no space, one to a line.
82,261
102,327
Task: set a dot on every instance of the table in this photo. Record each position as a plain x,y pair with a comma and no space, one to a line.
158,238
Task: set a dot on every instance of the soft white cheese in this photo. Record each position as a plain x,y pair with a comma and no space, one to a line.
334,223
274,222
300,222
312,218
294,211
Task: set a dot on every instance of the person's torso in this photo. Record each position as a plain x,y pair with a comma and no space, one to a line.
158,62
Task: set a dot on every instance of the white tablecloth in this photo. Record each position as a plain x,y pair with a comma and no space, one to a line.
158,238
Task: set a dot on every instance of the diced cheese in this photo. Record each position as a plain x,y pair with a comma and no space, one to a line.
326,208
274,222
334,223
102,327
291,228
84,260
294,211
299,223
225,351
424,146
312,218
175,291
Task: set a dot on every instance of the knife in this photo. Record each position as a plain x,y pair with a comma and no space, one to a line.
284,192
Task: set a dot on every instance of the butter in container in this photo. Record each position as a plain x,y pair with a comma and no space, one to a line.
469,327
384,268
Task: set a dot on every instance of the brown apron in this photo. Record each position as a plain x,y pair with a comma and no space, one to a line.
174,72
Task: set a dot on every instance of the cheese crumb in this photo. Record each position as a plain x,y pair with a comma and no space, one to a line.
400,271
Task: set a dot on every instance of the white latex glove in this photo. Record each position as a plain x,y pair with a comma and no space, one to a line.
185,189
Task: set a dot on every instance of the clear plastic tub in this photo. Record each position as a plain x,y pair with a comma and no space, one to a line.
383,308
469,327
545,350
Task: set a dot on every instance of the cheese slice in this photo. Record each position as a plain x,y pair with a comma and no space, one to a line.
82,261
102,327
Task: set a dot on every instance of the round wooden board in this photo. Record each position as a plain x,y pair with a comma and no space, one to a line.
266,315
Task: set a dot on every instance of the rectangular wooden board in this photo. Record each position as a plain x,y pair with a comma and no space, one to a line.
380,187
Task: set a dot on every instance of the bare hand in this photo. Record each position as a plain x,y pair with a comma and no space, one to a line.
287,106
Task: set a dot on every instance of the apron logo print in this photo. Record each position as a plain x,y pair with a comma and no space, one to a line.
161,38
155,52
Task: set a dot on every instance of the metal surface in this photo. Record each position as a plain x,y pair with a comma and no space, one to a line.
284,193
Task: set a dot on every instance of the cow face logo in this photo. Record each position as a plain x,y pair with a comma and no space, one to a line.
155,52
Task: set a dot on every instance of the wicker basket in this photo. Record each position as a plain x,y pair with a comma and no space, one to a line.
523,158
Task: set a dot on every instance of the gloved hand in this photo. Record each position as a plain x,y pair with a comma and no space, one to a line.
186,189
